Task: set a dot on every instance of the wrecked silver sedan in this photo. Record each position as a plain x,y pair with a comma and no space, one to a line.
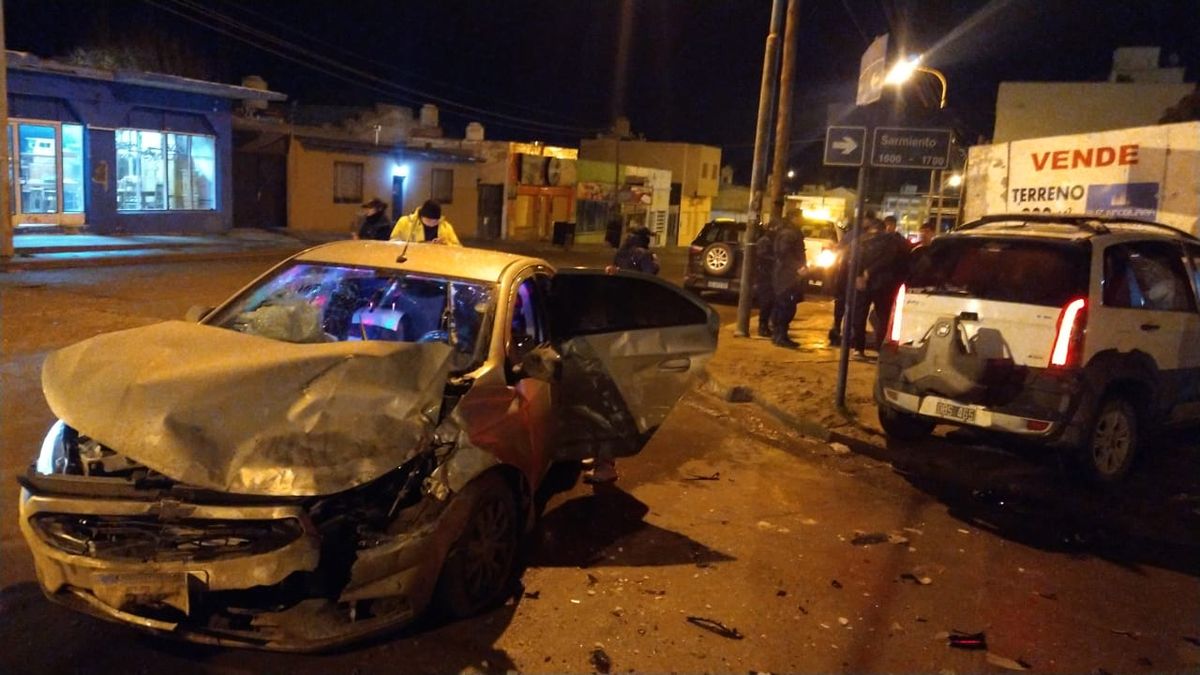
358,435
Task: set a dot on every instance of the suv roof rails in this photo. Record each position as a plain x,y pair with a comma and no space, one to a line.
1096,224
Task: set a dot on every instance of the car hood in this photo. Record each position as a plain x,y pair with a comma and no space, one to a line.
227,411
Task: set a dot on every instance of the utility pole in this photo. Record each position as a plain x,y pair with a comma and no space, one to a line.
783,115
761,138
6,224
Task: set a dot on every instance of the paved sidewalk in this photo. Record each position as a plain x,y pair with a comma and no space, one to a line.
51,251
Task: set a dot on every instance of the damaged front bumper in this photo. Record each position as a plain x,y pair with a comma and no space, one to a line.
257,575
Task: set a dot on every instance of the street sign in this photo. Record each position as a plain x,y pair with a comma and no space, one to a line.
844,146
872,71
901,148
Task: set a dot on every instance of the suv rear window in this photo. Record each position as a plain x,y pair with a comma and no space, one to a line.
719,231
1023,271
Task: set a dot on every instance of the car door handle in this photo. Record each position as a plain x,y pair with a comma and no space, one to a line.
1150,327
676,365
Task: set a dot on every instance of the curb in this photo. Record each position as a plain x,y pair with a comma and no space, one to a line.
805,426
158,256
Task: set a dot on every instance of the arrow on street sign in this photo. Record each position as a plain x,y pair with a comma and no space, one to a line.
844,146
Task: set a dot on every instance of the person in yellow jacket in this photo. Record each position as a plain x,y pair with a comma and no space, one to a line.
426,224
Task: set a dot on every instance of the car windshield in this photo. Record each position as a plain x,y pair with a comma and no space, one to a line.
1028,272
307,302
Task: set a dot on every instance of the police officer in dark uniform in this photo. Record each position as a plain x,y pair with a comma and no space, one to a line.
790,268
764,273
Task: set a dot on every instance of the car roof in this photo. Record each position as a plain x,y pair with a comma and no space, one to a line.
454,261
1066,226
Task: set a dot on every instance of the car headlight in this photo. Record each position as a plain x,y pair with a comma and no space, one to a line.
53,457
826,258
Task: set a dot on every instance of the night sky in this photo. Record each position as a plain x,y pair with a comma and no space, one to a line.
546,69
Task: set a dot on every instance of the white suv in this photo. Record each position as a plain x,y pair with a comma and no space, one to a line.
1078,331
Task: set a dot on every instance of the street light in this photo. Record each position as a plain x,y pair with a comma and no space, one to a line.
954,180
904,69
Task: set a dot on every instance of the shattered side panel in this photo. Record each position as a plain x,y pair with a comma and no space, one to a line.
619,387
227,411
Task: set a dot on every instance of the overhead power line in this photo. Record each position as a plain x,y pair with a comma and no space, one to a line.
273,44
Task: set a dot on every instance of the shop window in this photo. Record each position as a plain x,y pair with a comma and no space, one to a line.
39,168
158,171
441,186
72,168
347,182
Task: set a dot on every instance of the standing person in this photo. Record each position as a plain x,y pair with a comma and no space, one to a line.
764,271
840,278
788,280
927,232
635,253
374,223
426,224
871,229
884,267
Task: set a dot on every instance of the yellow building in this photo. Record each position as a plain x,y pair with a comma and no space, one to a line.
695,174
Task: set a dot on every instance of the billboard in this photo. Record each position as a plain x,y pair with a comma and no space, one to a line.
1151,173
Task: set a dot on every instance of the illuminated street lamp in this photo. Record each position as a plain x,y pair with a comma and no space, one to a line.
904,69
954,180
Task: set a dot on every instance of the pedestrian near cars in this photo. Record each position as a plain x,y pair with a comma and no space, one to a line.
426,224
841,274
884,267
373,222
927,232
635,254
764,273
788,282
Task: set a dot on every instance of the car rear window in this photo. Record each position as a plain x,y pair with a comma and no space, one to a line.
1023,271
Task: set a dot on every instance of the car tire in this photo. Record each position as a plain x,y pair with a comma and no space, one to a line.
1111,445
478,571
904,426
717,259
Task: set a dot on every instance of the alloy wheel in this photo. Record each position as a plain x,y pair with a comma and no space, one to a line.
1112,441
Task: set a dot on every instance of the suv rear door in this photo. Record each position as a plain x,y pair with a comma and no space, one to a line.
1149,306
631,345
1007,293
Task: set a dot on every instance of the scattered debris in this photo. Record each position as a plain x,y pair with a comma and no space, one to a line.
601,661
962,531
781,593
532,595
868,539
1191,640
971,641
805,611
740,395
716,475
618,611
839,448
715,626
1004,662
836,584
576,602
808,521
896,626
1132,635
922,580
921,619
824,625
592,579
1048,596
913,530
844,621
651,591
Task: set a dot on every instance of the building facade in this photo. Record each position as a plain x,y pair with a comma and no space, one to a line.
695,174
120,151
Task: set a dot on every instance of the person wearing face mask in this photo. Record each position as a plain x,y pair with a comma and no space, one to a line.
426,224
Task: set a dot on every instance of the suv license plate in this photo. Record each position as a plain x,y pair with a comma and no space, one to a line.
718,284
951,411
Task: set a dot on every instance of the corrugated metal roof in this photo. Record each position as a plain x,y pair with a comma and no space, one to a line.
28,62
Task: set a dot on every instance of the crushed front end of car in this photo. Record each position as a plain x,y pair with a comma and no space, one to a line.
244,514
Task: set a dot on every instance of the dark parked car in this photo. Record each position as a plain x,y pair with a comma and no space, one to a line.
714,258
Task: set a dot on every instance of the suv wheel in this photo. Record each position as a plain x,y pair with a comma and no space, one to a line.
1111,445
903,426
717,259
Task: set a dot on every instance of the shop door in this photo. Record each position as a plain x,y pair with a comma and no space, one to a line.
47,158
260,192
491,205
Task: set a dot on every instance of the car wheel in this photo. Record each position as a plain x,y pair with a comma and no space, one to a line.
717,259
903,426
478,570
1111,446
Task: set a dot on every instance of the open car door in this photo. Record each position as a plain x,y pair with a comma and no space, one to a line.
631,345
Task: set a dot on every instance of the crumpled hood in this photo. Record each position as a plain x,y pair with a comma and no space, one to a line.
239,413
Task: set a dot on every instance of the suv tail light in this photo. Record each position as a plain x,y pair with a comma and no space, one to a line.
1068,337
896,318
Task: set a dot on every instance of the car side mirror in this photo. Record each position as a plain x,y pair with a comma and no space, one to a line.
540,363
196,313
